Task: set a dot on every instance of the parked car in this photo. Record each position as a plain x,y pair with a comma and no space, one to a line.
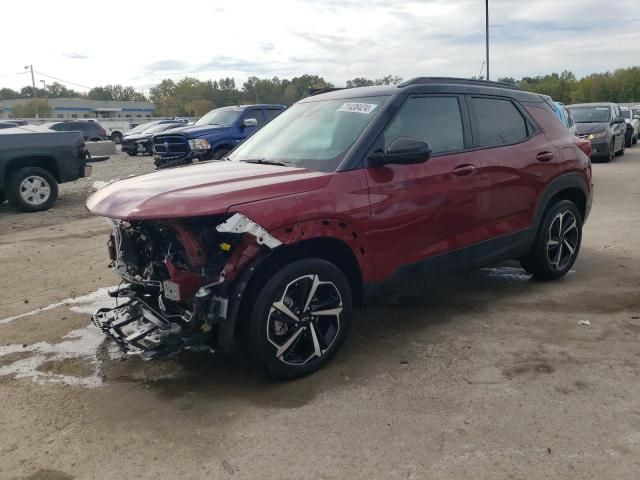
343,198
142,142
144,126
91,131
34,160
564,115
12,123
603,125
213,136
632,117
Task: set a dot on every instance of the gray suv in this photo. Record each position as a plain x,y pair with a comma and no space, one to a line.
603,125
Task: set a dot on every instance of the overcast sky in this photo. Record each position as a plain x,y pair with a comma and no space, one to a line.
141,42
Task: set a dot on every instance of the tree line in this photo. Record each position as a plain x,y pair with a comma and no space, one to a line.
193,97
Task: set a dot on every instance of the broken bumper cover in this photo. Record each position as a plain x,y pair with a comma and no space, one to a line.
154,319
139,330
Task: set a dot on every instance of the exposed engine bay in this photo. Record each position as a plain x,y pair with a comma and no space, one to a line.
175,280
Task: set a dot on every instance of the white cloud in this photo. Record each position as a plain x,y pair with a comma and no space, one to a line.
338,39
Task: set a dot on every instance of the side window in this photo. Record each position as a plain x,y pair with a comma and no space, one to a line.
257,114
436,120
271,113
498,122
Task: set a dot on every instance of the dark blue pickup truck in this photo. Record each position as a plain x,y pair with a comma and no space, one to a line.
213,136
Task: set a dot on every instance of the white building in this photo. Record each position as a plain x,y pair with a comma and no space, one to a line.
66,108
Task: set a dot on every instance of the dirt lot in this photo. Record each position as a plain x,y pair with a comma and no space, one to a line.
487,375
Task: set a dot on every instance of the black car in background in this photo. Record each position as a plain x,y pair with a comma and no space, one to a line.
140,141
603,125
91,131
12,123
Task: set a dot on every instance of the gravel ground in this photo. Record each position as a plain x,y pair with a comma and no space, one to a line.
487,375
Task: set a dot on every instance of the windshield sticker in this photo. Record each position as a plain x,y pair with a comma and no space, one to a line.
365,108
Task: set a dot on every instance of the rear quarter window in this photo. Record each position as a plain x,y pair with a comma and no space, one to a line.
498,122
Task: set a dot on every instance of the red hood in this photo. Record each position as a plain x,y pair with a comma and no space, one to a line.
200,190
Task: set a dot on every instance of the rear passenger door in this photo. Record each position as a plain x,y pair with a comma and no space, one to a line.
514,157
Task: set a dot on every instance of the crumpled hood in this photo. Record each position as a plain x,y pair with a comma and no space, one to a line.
195,131
586,128
199,190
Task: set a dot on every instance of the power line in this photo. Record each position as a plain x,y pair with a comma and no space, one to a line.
63,81
9,74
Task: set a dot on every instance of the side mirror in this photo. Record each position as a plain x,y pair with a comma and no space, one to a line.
250,122
403,151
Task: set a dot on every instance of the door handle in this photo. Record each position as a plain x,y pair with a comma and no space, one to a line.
463,170
544,156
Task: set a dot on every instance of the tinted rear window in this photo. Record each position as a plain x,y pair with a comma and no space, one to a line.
499,122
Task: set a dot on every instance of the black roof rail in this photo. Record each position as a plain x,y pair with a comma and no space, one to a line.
318,91
457,81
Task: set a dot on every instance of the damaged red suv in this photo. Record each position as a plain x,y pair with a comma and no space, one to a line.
345,196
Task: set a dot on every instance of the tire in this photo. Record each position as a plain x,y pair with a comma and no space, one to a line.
219,153
629,142
2,197
547,260
624,146
612,152
296,343
634,140
131,153
43,194
116,137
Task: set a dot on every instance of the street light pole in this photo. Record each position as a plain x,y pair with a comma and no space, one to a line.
486,11
33,83
44,87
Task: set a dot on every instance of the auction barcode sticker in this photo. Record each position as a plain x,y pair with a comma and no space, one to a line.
358,107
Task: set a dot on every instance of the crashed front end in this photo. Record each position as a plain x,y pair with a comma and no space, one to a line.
176,278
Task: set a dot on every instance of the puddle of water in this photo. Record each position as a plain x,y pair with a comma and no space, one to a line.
82,304
77,344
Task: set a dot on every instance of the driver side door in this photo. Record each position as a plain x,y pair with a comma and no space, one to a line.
420,211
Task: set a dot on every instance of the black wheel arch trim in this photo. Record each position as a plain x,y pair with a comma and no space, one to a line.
563,182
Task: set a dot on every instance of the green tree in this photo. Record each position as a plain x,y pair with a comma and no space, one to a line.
360,82
31,108
8,94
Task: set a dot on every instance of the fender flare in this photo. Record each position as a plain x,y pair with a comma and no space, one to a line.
558,184
289,235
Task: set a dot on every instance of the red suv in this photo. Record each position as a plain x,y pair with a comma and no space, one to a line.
345,196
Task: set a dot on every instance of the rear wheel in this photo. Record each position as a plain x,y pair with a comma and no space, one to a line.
116,137
132,153
557,242
32,189
297,321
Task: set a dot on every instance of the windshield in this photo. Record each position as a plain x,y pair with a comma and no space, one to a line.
314,135
626,113
158,128
220,116
591,114
142,128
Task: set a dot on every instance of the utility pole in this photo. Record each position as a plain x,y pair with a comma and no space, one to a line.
486,8
33,83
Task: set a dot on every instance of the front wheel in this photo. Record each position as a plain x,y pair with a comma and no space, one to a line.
299,319
116,137
557,242
32,189
219,153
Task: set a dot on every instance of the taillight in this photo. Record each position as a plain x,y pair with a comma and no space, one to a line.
584,145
